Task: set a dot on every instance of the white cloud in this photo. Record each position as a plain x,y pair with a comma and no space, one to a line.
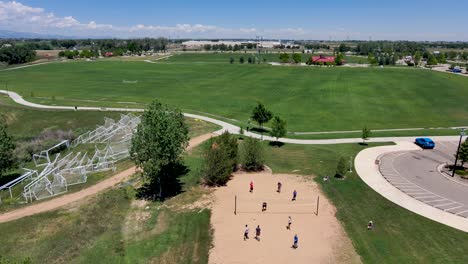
16,16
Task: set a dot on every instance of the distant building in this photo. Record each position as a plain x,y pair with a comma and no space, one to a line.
6,45
323,59
201,43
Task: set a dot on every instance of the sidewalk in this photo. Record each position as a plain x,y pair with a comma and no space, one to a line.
370,174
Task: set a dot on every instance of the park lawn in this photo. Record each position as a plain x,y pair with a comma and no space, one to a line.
400,236
406,133
116,225
309,98
224,57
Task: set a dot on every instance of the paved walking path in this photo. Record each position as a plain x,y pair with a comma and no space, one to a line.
225,126
63,200
369,172
26,66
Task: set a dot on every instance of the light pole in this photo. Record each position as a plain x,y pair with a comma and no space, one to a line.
462,133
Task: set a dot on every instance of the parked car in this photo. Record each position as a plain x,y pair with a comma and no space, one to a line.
425,143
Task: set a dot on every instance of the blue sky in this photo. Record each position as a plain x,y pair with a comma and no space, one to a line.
337,19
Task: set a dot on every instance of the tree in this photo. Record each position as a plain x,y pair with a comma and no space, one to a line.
241,60
431,60
366,133
7,147
341,168
339,59
252,154
249,60
17,54
297,58
463,153
220,160
417,58
260,114
157,145
284,57
231,60
278,127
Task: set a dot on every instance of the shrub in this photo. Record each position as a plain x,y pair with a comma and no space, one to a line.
252,155
220,160
341,168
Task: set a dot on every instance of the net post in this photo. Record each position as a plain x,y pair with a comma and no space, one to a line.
318,202
235,204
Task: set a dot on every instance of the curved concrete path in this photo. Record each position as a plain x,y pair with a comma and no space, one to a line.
369,172
225,126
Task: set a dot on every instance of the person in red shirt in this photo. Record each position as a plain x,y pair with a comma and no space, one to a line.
251,186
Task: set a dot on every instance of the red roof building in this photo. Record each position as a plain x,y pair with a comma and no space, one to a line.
323,59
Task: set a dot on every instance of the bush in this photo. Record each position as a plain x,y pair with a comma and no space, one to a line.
47,139
341,168
220,160
252,155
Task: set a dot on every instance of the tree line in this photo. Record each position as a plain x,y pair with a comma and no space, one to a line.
16,54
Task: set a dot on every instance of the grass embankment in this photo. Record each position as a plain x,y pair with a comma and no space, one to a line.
309,98
116,225
24,124
399,237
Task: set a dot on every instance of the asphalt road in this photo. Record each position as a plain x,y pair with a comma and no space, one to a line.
415,173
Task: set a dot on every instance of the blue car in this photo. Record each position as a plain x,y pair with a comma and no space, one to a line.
425,143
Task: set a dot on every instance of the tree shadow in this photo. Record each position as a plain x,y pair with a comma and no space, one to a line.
7,177
363,143
167,186
258,130
276,144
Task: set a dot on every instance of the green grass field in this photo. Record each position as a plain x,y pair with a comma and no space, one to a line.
400,236
309,98
224,57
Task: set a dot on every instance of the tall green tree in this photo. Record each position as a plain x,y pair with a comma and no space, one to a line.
7,158
339,59
366,133
417,58
157,145
431,60
220,160
297,58
463,152
241,60
278,127
284,57
260,114
252,154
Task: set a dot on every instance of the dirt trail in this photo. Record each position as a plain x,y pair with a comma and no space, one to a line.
66,199
321,238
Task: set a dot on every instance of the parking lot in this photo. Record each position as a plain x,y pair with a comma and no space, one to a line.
415,173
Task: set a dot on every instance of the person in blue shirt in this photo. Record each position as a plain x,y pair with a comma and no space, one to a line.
294,196
296,241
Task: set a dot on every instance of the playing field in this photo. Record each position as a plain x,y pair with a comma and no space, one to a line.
321,237
309,98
